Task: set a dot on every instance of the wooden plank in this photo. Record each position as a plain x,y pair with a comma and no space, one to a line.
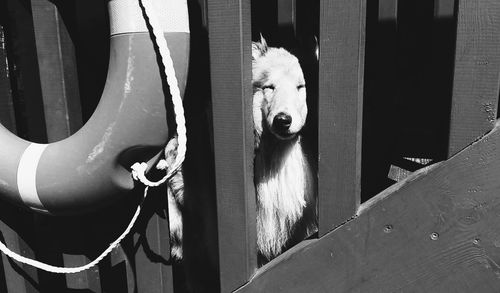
119,274
342,35
15,223
286,13
435,232
444,8
152,270
230,65
58,74
63,115
88,279
440,79
7,117
477,68
25,76
387,10
16,230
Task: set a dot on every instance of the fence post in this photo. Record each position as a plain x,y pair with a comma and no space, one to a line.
58,74
477,69
341,69
230,66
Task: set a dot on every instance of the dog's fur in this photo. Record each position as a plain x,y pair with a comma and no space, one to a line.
175,195
283,178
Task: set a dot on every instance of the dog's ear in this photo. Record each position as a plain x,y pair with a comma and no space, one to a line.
263,42
259,48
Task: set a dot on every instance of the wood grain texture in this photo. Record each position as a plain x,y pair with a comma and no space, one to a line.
15,227
15,224
7,117
25,77
387,10
435,232
88,279
152,242
286,13
477,68
341,70
58,73
230,65
444,8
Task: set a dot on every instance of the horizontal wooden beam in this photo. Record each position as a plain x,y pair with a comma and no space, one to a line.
437,231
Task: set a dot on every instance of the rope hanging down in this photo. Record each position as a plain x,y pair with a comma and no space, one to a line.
138,169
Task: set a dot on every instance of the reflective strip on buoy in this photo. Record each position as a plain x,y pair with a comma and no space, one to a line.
26,176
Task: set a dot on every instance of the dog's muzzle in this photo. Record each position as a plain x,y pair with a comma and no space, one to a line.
281,125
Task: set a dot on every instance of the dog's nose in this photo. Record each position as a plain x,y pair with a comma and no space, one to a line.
282,122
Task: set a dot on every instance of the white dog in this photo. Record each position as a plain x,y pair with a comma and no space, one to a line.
283,177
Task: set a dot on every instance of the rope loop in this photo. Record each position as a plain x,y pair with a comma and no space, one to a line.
138,169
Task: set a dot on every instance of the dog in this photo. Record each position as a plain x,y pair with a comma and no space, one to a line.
283,177
282,174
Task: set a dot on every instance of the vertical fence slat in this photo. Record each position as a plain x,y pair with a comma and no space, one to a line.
14,225
59,84
6,104
86,280
152,270
444,8
342,33
27,94
387,10
477,68
440,79
286,13
58,74
230,65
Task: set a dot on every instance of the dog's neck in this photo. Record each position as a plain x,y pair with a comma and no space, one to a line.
281,179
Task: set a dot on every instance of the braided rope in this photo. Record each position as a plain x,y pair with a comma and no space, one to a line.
73,270
138,169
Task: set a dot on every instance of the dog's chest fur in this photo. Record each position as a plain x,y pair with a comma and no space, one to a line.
282,182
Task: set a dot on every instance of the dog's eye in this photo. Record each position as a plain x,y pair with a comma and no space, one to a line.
301,86
268,87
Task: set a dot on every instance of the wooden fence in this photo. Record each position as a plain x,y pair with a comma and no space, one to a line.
399,85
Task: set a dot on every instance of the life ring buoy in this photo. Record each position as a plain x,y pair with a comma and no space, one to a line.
83,171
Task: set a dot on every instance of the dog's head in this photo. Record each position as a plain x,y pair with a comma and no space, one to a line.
279,99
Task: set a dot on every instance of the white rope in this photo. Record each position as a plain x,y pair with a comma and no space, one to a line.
138,169
73,270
